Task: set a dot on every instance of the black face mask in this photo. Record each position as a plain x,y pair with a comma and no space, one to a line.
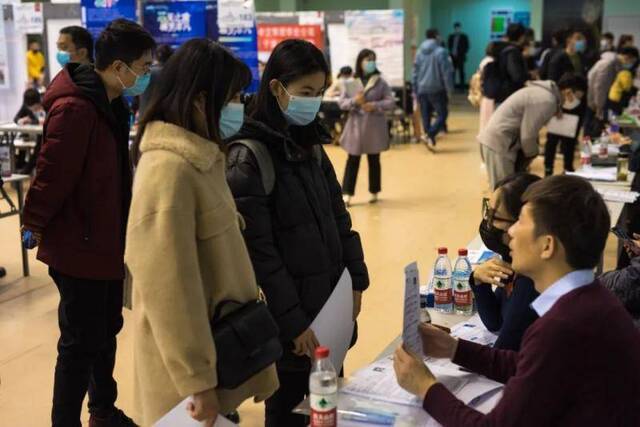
492,239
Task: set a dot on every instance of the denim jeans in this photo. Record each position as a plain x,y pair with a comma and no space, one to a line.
431,103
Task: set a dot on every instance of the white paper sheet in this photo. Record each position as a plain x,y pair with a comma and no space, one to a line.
179,417
612,149
334,324
566,126
473,330
596,174
619,196
410,335
378,381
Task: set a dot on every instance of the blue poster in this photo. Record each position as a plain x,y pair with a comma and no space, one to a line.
237,31
96,14
175,23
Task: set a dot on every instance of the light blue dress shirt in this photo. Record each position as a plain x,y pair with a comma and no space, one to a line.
570,282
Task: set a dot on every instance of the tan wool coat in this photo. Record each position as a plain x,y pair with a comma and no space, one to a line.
185,253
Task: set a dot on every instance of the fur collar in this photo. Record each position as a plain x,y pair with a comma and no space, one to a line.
201,153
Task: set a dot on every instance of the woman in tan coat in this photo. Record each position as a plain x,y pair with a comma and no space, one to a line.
185,251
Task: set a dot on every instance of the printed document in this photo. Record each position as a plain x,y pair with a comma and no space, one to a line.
334,324
410,334
179,417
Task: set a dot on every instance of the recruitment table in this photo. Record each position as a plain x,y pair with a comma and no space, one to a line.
17,181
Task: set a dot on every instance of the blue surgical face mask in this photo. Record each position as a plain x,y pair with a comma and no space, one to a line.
301,110
369,67
627,66
140,85
581,46
63,58
231,119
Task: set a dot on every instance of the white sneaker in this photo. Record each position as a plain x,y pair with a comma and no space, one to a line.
373,198
429,142
346,199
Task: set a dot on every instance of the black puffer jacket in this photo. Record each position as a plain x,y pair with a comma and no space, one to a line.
299,237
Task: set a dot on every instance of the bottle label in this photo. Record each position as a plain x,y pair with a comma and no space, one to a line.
443,296
324,411
463,298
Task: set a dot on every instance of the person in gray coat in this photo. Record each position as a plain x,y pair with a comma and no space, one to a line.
509,142
366,130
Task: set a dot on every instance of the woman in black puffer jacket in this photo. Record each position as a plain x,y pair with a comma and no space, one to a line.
298,230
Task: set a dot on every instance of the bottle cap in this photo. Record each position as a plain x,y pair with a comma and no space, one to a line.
463,252
443,251
322,352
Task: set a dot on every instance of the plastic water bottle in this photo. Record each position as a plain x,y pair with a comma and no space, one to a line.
603,153
586,150
323,391
442,282
462,295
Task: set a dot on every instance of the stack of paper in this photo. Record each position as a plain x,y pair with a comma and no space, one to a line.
597,174
378,381
618,195
475,331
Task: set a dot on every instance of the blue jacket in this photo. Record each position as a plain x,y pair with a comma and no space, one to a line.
510,316
432,71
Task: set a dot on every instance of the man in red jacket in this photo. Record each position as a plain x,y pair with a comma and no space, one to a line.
77,210
578,364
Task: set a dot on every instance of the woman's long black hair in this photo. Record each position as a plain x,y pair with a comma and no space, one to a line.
289,61
198,66
364,53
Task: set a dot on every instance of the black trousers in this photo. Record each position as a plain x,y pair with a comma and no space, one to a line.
351,174
90,317
458,69
294,387
568,147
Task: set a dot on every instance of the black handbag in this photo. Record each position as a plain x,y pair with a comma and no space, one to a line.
247,341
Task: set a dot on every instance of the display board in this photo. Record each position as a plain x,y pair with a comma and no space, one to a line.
237,31
96,14
4,57
379,30
28,17
176,22
269,35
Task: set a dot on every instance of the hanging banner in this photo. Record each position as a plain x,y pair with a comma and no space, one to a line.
381,31
175,23
237,31
28,18
4,58
269,35
96,14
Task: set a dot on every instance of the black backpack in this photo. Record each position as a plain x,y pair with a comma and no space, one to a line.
495,81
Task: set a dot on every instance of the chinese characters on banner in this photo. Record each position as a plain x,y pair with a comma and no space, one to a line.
237,31
175,23
28,18
96,14
269,35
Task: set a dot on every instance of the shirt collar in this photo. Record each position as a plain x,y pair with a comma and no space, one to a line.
570,282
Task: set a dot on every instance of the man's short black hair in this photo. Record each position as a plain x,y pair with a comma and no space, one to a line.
608,36
122,40
629,51
457,25
571,210
432,33
81,38
572,81
515,31
31,97
345,71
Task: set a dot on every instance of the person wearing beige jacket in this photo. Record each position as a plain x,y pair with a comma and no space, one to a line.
185,251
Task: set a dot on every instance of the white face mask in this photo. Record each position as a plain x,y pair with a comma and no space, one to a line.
570,105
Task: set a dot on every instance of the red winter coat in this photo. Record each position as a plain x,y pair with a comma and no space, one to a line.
80,197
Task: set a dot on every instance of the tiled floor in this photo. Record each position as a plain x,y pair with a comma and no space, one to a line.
427,201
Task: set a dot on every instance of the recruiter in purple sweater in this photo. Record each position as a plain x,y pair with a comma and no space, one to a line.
579,362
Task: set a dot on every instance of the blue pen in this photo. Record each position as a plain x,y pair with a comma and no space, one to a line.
28,240
368,417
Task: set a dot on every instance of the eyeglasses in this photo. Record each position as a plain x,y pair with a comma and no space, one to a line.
489,214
